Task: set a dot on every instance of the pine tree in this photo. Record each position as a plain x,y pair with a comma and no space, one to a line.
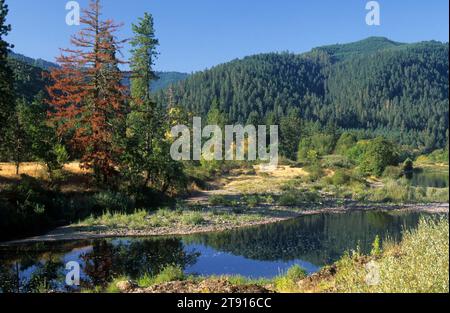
7,101
88,99
148,156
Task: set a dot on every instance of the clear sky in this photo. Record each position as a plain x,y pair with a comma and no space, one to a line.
197,34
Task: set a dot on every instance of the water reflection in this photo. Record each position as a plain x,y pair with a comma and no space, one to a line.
264,251
428,179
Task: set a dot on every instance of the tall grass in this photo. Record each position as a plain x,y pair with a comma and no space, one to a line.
419,264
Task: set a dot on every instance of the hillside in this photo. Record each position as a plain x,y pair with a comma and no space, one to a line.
374,86
28,73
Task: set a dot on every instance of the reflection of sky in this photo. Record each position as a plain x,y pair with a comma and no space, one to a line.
213,262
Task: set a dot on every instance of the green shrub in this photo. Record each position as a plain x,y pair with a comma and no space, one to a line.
298,197
289,281
315,172
336,162
113,201
408,165
340,178
168,274
378,154
345,142
393,172
193,218
252,201
219,200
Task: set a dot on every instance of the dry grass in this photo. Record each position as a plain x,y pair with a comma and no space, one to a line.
36,169
72,179
264,182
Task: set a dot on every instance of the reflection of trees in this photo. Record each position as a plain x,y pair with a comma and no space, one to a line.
134,258
429,179
45,276
319,239
106,259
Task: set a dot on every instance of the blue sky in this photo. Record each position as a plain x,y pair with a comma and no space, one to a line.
198,34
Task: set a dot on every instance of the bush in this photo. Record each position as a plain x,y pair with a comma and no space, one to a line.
168,274
393,172
345,143
315,172
193,218
113,202
289,281
336,162
340,178
408,165
219,200
379,154
298,197
252,201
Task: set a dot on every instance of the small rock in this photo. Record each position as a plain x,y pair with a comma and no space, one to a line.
126,286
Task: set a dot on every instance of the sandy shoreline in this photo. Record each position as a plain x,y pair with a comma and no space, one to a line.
70,233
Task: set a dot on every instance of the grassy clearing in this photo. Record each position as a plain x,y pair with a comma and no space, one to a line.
176,219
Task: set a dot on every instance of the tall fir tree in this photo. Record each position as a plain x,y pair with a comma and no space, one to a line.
148,156
7,102
88,99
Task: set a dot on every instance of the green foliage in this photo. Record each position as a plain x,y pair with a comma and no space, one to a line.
112,202
408,165
345,143
219,200
393,172
437,156
193,218
379,154
290,131
147,161
336,162
168,274
6,81
340,178
418,264
376,247
298,197
289,281
315,172
373,87
400,191
252,201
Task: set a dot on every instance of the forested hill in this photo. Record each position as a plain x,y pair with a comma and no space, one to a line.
374,86
29,80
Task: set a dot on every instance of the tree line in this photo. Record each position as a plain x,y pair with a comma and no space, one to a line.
85,111
375,87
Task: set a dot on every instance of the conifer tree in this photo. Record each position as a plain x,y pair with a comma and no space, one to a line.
148,156
7,101
88,99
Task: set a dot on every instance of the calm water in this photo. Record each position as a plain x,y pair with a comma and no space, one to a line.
264,251
429,179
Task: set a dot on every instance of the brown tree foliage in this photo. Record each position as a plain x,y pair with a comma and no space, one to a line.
87,98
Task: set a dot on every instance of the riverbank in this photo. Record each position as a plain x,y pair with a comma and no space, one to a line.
209,219
410,266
